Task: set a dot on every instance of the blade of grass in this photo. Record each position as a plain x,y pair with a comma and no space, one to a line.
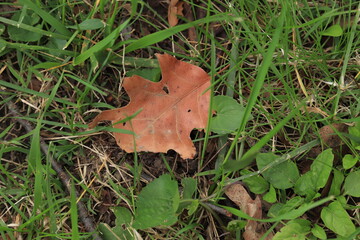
74,213
212,74
100,45
163,34
32,92
14,206
22,46
87,84
259,81
35,164
248,157
230,83
350,43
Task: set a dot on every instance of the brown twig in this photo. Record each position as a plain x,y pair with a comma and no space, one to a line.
64,177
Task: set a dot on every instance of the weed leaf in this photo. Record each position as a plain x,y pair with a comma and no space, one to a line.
89,24
295,229
229,114
349,161
257,184
122,225
352,184
318,232
337,182
270,196
157,203
309,183
281,176
19,34
337,219
333,31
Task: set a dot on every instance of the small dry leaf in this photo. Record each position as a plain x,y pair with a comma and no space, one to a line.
329,136
317,110
175,9
252,207
170,109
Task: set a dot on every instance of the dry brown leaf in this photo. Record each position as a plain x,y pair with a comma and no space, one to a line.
317,110
171,109
252,207
175,9
329,136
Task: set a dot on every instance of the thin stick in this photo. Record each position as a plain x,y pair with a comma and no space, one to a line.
64,177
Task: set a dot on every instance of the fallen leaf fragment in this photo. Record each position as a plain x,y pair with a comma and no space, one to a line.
170,109
175,8
252,207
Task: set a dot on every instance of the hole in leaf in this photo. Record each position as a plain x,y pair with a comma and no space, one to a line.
165,89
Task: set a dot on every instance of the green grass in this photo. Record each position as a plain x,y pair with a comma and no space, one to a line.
277,60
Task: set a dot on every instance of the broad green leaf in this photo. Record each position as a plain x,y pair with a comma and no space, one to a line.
355,132
349,161
19,34
89,24
295,230
236,225
352,184
157,203
318,232
192,207
275,209
122,225
316,178
257,184
152,74
123,216
189,187
333,31
229,114
279,209
322,166
270,196
306,184
281,176
54,45
337,181
337,219
109,233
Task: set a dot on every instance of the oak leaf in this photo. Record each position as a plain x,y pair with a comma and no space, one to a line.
170,109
